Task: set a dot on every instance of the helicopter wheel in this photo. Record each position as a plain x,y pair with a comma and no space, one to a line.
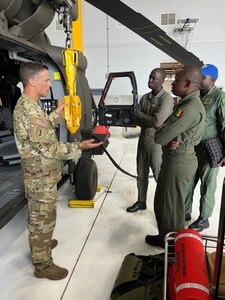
86,179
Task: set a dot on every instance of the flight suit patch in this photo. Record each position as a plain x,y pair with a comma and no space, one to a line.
179,113
207,101
223,102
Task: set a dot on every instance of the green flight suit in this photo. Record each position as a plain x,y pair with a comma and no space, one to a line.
186,126
41,159
153,111
214,103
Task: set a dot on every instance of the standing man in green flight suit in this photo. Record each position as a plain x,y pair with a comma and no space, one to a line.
213,100
184,127
41,158
154,108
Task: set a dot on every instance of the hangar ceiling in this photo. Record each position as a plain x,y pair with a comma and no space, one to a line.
147,30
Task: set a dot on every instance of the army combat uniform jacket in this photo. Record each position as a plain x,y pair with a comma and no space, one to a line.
41,157
37,143
185,125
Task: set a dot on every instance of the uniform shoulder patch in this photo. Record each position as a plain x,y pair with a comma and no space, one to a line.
179,113
39,129
223,102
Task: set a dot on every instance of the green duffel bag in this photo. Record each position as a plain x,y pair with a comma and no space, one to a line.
140,278
210,258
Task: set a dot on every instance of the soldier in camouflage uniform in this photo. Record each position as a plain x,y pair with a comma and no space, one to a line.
213,100
185,127
41,158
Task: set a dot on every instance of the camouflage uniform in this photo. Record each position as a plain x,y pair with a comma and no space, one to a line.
41,158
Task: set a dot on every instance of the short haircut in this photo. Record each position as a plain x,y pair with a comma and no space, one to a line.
161,72
30,70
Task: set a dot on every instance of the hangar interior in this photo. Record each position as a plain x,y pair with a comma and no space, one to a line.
94,241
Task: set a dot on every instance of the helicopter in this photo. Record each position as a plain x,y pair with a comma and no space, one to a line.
23,38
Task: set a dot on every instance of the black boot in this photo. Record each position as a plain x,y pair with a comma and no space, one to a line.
139,205
154,240
187,216
200,224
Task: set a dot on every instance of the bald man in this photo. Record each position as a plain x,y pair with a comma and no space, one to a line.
154,108
178,136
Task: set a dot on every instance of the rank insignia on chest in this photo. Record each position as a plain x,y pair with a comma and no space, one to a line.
207,101
179,113
223,102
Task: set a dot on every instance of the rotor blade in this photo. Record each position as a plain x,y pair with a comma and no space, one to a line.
146,29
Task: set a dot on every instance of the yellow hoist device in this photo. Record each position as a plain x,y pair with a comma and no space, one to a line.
72,112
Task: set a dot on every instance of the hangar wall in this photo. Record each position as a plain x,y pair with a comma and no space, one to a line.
110,47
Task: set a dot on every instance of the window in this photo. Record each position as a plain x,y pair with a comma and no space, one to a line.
168,19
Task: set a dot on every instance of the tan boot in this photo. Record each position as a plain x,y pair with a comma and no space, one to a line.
52,272
54,243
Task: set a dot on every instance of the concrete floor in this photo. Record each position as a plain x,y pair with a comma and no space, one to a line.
92,241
